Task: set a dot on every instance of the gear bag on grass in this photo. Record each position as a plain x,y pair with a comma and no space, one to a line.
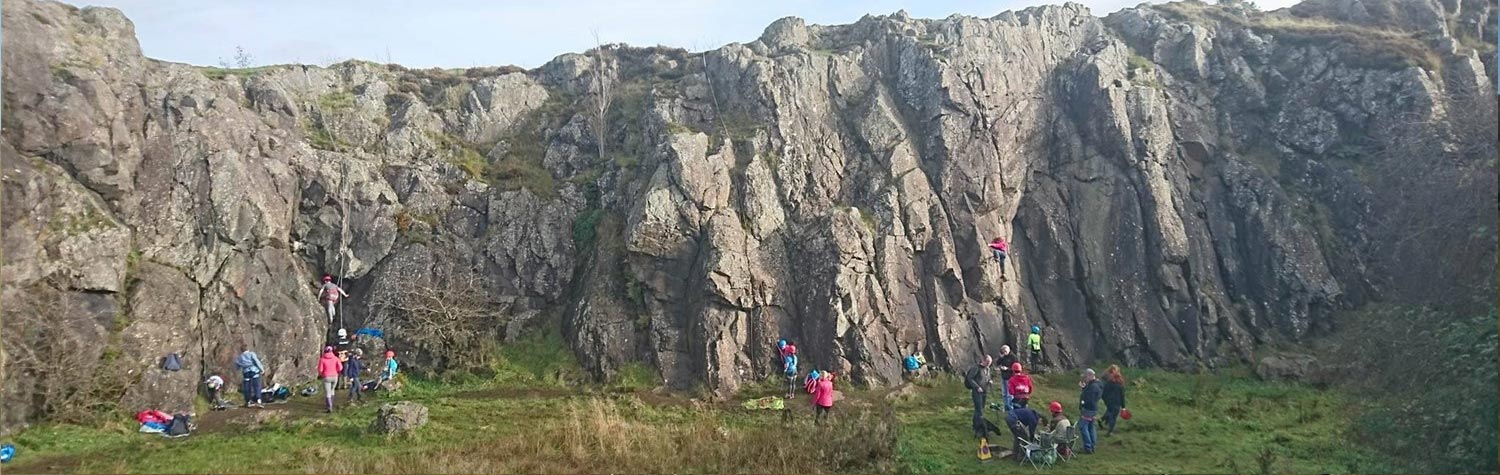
172,362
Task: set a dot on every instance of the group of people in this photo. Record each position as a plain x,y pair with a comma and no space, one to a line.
817,383
337,365
1026,424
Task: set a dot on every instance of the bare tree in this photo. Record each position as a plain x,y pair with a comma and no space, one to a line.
602,84
54,356
449,320
1435,179
241,59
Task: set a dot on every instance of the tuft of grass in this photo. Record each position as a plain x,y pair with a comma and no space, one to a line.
337,101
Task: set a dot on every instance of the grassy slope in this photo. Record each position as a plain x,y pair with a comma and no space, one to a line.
532,422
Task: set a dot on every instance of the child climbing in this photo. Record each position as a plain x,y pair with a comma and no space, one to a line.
999,248
330,294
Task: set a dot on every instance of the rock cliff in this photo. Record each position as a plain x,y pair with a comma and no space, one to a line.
1180,183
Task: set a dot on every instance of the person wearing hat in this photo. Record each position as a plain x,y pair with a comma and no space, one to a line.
391,367
1006,360
1088,409
351,370
328,370
977,380
216,392
1034,343
1020,385
330,294
1060,425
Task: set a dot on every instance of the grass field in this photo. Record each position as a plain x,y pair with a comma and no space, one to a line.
528,419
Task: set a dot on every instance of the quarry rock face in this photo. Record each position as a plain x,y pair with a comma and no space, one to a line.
834,185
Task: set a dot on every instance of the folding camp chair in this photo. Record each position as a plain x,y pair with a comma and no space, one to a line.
1031,452
1068,439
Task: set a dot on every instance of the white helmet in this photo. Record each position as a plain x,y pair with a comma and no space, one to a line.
1004,349
343,333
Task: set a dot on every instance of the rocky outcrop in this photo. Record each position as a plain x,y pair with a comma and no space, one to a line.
1180,183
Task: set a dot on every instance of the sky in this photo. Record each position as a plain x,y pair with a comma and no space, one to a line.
466,33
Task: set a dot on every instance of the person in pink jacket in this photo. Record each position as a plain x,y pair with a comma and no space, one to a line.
1000,249
823,397
329,368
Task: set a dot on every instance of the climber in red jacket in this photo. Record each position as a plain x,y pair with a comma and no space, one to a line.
1019,385
999,248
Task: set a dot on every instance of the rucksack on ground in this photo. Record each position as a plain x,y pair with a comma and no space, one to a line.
179,427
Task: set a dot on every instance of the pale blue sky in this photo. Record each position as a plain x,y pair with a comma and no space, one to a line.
463,33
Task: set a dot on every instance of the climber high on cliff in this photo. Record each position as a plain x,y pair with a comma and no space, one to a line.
999,248
330,294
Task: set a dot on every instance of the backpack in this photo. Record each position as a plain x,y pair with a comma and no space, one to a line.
179,426
791,365
911,363
969,380
172,362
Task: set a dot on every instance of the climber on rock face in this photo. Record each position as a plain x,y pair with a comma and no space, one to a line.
330,294
999,248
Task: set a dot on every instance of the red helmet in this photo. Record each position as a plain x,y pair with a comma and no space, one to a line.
1055,407
327,278
1015,367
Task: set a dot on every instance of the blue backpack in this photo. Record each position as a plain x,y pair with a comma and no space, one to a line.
911,363
791,364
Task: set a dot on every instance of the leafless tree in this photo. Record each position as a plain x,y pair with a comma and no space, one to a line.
53,356
241,60
602,84
1435,179
449,320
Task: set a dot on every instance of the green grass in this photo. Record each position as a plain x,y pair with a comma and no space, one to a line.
532,416
1216,423
336,101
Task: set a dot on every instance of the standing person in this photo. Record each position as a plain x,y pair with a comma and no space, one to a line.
999,248
1020,385
251,369
352,369
823,397
1114,397
1006,361
330,294
1034,343
977,380
329,368
1088,409
789,368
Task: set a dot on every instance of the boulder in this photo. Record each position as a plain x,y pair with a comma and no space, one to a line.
261,418
399,418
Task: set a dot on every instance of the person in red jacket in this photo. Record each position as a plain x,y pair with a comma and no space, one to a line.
329,368
1020,384
823,397
999,247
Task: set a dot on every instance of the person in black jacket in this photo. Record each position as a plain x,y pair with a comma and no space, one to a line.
1022,422
1006,360
1088,409
1114,397
977,380
352,368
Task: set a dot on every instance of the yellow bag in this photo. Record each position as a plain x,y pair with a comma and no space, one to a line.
984,449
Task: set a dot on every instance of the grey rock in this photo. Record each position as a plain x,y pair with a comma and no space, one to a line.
1285,367
399,418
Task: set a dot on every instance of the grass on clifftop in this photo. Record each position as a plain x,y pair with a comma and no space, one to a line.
530,415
